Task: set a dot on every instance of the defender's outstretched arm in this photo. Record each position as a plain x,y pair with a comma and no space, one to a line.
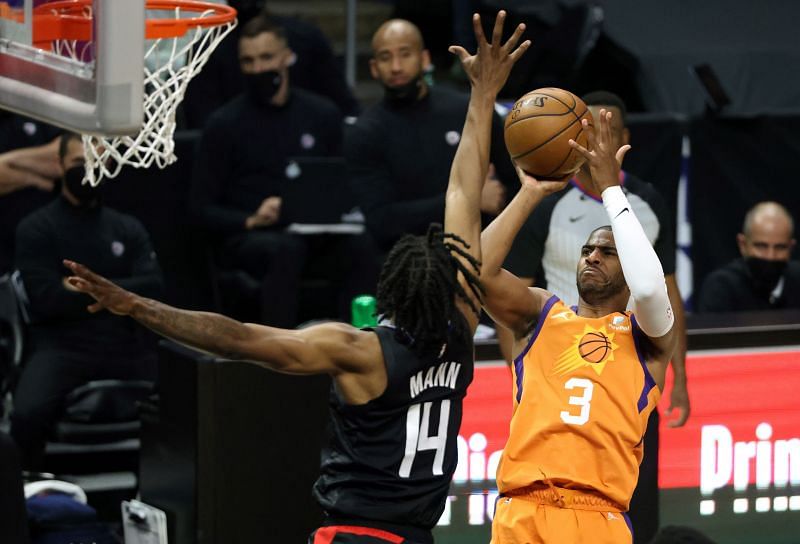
487,70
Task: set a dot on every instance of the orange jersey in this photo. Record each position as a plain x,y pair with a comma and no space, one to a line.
582,396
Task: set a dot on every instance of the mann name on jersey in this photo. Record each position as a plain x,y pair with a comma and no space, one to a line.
441,375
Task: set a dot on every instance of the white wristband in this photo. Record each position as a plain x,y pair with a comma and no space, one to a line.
640,265
614,200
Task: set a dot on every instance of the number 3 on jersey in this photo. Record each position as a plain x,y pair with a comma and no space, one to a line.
582,401
418,436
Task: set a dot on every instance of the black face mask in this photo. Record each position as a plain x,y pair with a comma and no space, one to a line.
262,86
405,94
765,273
86,195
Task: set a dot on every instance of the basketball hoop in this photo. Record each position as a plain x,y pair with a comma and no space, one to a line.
180,37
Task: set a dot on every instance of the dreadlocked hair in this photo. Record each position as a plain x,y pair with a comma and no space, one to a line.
418,287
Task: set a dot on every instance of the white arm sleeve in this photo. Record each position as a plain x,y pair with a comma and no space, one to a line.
640,266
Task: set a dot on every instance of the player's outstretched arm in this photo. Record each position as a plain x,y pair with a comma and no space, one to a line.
640,265
36,167
329,348
508,300
488,70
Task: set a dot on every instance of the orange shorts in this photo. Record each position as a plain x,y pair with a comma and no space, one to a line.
539,517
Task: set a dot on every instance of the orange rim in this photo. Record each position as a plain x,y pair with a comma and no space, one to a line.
67,20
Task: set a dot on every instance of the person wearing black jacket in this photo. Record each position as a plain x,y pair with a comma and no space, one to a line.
71,347
400,150
242,168
763,278
313,67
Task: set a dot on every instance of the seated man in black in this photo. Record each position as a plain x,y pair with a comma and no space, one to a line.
763,278
70,346
312,67
243,169
400,150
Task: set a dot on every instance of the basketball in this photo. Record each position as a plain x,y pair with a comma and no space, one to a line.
594,347
538,130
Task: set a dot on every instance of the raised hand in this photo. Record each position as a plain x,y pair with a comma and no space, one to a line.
543,187
267,213
36,167
108,295
603,160
489,67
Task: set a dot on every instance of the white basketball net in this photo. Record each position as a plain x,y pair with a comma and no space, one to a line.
169,65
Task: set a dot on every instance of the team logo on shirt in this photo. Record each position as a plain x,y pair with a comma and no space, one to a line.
307,141
117,248
593,348
293,170
452,137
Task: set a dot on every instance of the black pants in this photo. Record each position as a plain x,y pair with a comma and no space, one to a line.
50,374
644,504
13,519
279,260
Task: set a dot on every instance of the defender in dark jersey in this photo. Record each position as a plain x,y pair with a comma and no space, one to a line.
397,390
390,461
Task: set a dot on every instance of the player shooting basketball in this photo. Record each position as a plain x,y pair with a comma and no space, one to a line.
587,377
398,390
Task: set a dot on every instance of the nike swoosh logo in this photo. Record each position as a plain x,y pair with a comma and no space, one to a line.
620,213
573,219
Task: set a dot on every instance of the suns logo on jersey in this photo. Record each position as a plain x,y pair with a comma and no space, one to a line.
593,348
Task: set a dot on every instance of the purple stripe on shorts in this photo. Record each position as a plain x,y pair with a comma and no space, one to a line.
628,523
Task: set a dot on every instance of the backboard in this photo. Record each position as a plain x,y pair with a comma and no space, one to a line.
99,92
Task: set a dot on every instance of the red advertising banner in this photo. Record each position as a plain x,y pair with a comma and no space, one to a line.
484,427
743,435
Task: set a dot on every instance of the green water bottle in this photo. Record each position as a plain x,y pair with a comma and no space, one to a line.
363,311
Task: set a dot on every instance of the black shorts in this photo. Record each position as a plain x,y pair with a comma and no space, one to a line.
354,534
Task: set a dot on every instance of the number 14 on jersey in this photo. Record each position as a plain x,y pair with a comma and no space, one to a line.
418,437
